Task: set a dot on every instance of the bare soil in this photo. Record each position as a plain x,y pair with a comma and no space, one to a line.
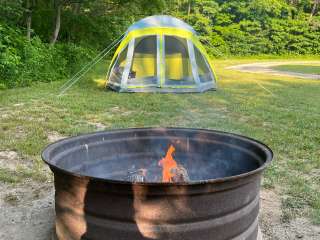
98,126
12,160
54,136
26,211
274,229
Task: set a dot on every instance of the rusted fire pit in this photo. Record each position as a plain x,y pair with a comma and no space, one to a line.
172,184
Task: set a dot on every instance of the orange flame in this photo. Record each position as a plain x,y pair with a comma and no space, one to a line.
168,164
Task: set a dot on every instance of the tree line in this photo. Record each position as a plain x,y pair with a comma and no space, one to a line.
46,40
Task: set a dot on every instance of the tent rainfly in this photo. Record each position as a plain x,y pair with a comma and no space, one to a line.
161,54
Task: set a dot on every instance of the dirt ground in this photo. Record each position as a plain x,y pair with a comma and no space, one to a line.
27,212
26,209
274,229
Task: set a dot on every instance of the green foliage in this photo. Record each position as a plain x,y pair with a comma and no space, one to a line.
233,27
263,9
11,11
23,62
252,27
86,26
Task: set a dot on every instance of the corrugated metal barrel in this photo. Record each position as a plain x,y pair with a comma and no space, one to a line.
220,202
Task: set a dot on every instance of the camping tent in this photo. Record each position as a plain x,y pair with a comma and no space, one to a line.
160,54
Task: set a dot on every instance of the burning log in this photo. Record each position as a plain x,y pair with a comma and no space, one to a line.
138,175
180,174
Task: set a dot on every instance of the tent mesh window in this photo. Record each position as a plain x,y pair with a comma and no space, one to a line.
204,72
143,69
118,67
178,69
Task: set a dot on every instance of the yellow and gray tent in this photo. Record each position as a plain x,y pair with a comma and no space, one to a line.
161,54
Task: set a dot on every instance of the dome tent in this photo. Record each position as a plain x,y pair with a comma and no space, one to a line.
160,54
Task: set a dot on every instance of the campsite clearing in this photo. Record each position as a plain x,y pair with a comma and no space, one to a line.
281,111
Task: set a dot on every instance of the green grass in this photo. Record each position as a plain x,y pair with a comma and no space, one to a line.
306,69
283,112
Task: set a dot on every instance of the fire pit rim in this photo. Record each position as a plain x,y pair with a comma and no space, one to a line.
269,156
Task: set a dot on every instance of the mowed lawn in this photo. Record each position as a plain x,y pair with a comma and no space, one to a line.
283,112
299,69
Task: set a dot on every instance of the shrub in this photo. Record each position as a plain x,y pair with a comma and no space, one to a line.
23,62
